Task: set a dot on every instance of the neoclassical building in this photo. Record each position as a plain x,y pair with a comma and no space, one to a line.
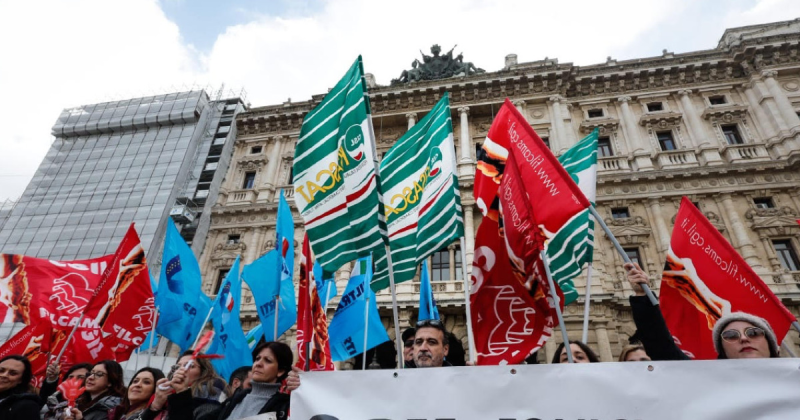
720,126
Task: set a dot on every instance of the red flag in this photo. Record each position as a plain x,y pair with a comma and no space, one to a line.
312,324
35,342
705,278
508,323
554,196
34,288
121,310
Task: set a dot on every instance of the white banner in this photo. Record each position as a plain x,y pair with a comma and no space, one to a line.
696,390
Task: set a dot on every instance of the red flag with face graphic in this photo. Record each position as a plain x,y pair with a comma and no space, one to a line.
704,279
36,342
508,324
313,347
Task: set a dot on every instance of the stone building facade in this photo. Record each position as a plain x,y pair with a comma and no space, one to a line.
720,126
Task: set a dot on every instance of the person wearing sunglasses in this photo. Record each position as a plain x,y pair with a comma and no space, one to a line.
104,391
408,347
431,344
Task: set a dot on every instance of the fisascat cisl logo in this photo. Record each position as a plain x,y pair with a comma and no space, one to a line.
411,194
354,142
435,162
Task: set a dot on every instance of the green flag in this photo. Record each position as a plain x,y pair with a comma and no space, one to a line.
421,198
572,246
335,177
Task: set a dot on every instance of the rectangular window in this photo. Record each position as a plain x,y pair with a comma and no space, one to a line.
546,141
234,239
291,175
620,213
440,266
764,203
787,254
255,150
633,254
665,140
220,278
459,267
595,113
604,147
249,180
731,134
717,100
223,129
655,107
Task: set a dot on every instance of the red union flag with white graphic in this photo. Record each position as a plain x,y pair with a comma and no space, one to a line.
704,279
508,324
36,342
313,347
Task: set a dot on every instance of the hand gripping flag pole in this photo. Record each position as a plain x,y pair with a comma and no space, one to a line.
473,355
621,252
557,303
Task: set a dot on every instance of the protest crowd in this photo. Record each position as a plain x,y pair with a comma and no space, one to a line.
65,365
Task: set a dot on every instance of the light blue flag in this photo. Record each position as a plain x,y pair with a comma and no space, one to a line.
326,285
346,331
229,338
262,275
181,303
146,343
254,335
427,304
284,242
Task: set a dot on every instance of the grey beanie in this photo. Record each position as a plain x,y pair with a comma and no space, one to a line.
762,323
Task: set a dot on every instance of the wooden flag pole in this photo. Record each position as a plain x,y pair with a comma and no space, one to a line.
621,252
397,337
152,334
473,356
585,335
554,294
69,338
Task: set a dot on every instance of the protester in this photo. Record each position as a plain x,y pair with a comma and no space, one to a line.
16,399
581,353
104,391
408,347
456,354
736,335
140,389
431,344
634,353
55,404
240,379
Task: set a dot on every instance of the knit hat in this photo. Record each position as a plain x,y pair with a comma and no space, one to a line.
762,323
409,333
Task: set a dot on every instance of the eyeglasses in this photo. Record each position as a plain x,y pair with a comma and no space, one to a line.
429,323
735,335
97,375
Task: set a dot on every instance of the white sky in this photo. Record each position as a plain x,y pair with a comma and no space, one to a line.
58,54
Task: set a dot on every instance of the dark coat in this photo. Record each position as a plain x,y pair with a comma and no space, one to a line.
278,403
652,331
20,407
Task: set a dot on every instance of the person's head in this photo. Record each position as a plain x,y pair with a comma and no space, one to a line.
408,344
142,386
15,374
581,353
78,371
431,344
105,377
201,375
238,378
634,353
740,336
272,362
455,353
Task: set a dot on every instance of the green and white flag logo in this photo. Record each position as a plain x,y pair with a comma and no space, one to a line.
421,197
335,176
573,245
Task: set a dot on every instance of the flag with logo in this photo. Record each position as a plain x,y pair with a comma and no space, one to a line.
36,342
267,281
350,321
427,303
704,279
229,339
335,178
572,247
181,303
34,288
508,324
253,336
420,195
313,348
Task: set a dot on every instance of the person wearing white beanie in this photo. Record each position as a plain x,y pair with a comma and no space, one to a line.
740,335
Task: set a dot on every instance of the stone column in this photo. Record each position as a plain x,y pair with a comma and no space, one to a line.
469,235
558,134
272,166
465,139
774,262
784,106
661,226
603,345
520,104
697,132
252,252
768,128
412,119
451,254
638,147
739,231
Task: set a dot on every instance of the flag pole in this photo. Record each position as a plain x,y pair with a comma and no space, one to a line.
69,337
152,334
473,357
366,321
397,337
199,333
554,294
796,325
585,336
788,349
621,252
277,310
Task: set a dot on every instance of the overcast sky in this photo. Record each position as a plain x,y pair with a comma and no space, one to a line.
57,54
